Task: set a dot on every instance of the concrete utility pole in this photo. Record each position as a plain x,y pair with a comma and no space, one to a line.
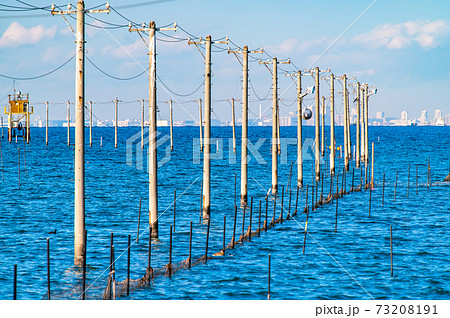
46,123
79,127
345,92
332,138
90,124
116,119
153,160
244,137
200,123
322,144
363,129
366,124
300,96
358,123
274,149
142,123
207,140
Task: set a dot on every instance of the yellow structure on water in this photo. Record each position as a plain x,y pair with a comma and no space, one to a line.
19,112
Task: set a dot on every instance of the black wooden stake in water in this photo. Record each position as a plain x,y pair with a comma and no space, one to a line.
150,247
267,210
382,196
259,218
48,269
139,220
392,255
190,246
111,256
353,176
306,199
407,187
274,210
84,267
233,239
224,228
174,208
170,253
395,189
312,199
336,221
306,229
243,224
296,202
251,217
370,198
289,206
282,204
15,283
268,282
128,264
207,241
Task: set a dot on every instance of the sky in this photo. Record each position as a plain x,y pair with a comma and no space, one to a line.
401,47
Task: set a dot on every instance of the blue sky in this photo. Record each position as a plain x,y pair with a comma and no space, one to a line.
402,47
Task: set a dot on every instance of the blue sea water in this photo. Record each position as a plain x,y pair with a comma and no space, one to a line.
353,263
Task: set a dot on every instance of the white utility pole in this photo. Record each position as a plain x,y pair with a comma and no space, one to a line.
207,140
79,127
142,123
358,123
275,137
171,124
244,136
153,163
116,119
90,124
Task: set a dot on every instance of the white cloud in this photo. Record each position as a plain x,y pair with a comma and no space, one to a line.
402,35
17,35
284,48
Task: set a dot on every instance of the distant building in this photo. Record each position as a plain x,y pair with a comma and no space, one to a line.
423,120
379,115
404,116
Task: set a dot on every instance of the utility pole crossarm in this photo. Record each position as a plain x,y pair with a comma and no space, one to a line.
70,11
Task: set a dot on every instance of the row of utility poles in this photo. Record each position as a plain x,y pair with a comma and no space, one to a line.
206,134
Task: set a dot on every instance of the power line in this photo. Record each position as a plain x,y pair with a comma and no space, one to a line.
115,77
181,95
38,76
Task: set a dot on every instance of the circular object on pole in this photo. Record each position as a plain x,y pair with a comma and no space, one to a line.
307,114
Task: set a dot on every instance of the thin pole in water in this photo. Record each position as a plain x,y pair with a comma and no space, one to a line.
296,202
139,220
289,207
201,201
170,253
336,221
207,241
282,204
128,264
235,186
268,281
243,224
395,188
267,210
190,245
48,268
234,226
306,199
306,230
224,228
259,219
174,208
274,210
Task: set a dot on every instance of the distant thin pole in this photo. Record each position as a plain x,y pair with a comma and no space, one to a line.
18,160
190,245
174,208
170,254
224,229
128,264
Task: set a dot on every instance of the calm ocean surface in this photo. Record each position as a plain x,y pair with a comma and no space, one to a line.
353,263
